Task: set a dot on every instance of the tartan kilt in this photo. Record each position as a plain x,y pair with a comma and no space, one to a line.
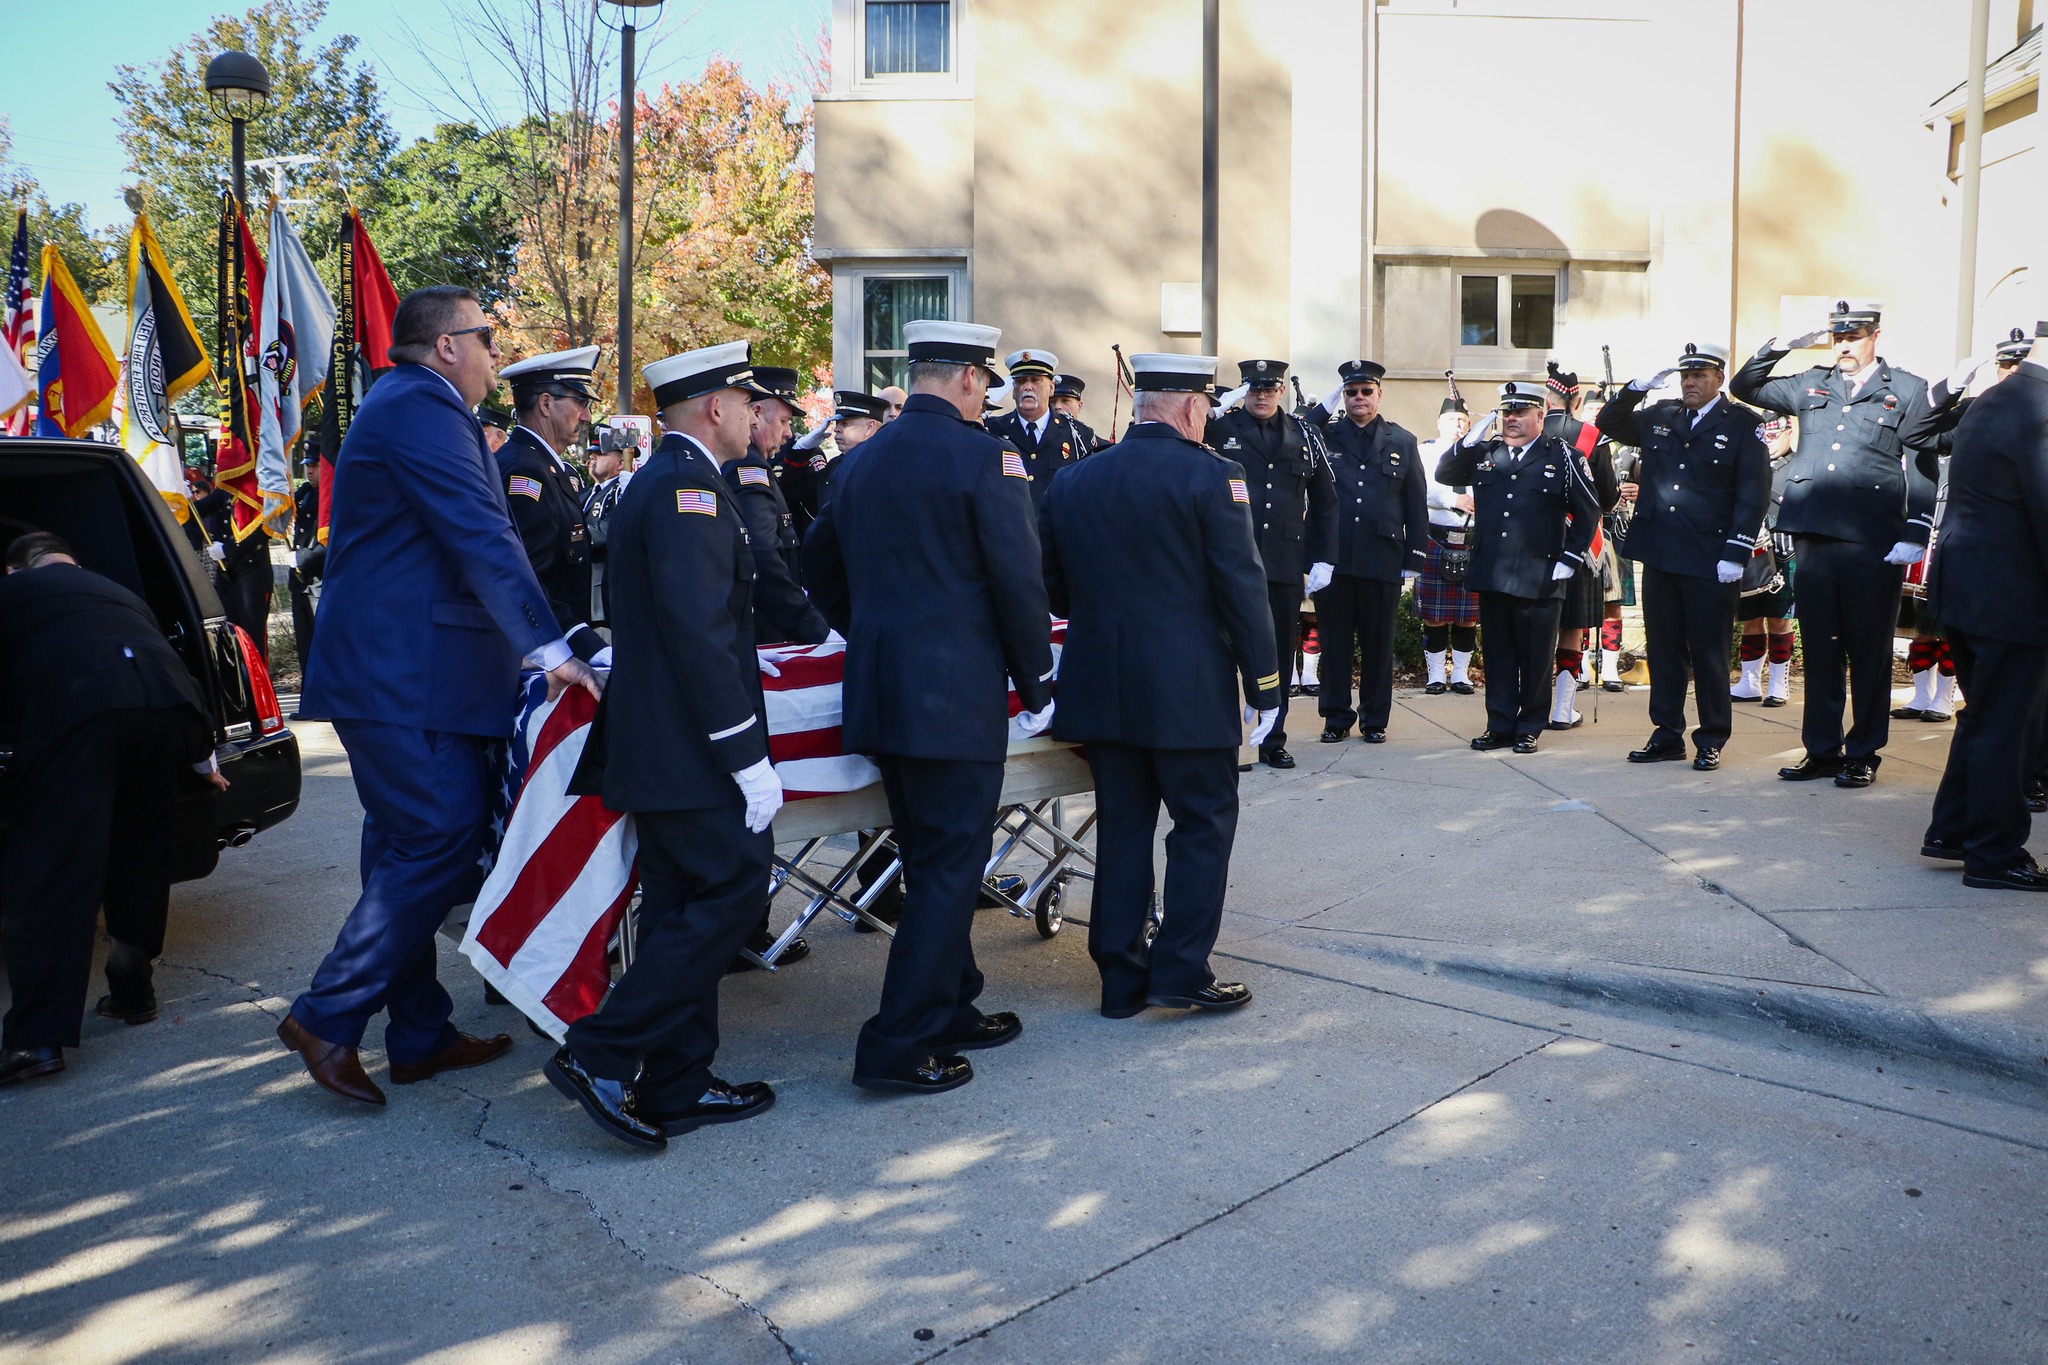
1585,600
1778,604
1436,600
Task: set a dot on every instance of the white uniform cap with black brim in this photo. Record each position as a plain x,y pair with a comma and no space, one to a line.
1850,314
692,374
954,343
1158,372
570,370
1522,393
1701,355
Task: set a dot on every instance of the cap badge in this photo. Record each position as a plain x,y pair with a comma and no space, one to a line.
1841,305
1691,349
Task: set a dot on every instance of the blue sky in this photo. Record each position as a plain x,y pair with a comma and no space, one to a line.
62,116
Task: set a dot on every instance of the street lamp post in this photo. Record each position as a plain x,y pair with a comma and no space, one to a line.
237,86
629,8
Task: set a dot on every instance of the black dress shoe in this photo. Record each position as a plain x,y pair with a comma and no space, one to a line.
1937,717
1436,689
1574,723
2027,876
1856,772
1374,736
609,1103
1525,744
993,1031
720,1103
929,1077
1217,995
1334,734
1812,768
1614,687
1492,740
1658,751
27,1063
1463,689
1123,1011
1907,713
1276,758
1706,760
1946,850
2037,797
128,1011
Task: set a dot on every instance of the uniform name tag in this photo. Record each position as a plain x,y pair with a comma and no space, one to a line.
1013,465
696,500
1232,444
524,487
1238,493
751,474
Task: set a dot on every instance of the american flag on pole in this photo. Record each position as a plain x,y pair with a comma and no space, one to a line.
18,330
564,874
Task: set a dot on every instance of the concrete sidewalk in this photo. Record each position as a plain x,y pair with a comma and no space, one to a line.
1731,900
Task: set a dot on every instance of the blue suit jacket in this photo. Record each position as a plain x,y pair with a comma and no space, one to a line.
430,602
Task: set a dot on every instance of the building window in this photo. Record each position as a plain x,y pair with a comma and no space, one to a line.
1479,310
1528,301
909,37
887,303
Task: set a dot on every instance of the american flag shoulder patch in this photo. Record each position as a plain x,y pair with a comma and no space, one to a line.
754,474
524,487
1238,493
1013,465
696,500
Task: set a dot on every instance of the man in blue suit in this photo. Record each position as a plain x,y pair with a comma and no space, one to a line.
926,559
1149,549
429,607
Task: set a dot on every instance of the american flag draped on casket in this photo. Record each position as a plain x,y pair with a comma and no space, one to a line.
564,872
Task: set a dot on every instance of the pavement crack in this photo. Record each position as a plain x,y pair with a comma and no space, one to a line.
256,994
1255,1196
598,1216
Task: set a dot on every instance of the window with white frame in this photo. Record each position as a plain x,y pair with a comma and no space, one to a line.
1513,309
887,303
906,38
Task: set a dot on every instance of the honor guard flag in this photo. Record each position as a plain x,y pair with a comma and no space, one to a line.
361,350
75,371
297,328
16,388
18,325
234,352
165,357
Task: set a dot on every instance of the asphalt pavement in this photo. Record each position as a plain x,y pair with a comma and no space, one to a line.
1550,1058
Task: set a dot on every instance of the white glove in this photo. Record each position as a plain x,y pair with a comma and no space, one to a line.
1655,381
1479,430
602,659
768,658
815,437
1959,378
1230,400
1560,572
1261,723
1030,723
1905,552
1800,343
1410,575
1333,401
763,790
216,552
1319,576
1728,571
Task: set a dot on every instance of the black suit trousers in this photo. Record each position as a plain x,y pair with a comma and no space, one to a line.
702,876
1847,598
944,812
1199,787
1518,644
87,828
1980,802
1361,611
1687,622
1285,599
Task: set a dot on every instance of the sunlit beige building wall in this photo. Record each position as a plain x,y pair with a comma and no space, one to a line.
1475,185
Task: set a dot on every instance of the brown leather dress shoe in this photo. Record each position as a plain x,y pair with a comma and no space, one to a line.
465,1051
334,1068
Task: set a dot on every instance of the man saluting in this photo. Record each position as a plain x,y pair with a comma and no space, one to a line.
1149,549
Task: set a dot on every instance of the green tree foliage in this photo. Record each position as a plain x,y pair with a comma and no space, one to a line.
323,102
442,216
